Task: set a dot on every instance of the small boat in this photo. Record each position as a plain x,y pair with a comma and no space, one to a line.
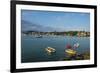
70,52
50,49
76,45
39,36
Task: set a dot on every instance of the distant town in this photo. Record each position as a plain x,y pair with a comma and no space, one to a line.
55,33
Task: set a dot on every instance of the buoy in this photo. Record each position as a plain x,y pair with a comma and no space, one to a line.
68,46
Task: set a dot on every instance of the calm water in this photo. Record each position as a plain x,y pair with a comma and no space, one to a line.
33,49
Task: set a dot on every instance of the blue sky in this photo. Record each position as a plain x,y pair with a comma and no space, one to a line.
54,21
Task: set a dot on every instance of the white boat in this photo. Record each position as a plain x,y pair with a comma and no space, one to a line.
40,36
76,45
50,49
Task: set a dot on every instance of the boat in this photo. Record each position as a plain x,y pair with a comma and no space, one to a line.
76,45
70,52
40,36
50,50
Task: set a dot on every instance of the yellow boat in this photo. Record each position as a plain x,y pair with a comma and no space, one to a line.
70,52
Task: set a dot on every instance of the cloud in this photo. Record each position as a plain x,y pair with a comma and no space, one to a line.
28,26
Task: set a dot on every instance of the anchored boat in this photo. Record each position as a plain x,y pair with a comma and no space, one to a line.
40,36
50,49
76,45
70,52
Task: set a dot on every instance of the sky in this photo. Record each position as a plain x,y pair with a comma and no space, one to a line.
47,21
